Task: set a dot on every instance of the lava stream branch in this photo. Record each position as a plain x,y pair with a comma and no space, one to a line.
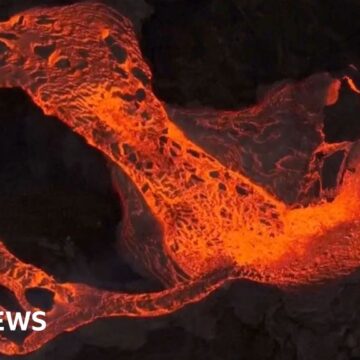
76,305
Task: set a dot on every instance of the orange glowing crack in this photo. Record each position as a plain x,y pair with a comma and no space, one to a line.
214,223
352,84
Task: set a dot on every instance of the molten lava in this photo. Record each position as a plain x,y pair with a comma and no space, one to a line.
214,210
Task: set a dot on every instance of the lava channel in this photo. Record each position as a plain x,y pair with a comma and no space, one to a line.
219,215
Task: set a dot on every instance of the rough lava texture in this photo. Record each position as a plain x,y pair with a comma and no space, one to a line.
295,340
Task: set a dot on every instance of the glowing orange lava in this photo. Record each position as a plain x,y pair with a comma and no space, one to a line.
214,222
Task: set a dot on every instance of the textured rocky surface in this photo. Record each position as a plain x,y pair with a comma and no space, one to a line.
246,321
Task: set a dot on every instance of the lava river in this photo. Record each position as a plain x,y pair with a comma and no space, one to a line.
231,194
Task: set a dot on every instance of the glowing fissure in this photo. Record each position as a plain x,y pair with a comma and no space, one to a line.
214,223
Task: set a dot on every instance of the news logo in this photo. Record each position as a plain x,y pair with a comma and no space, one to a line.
23,321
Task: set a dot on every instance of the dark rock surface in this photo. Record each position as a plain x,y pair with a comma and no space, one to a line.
216,53
60,212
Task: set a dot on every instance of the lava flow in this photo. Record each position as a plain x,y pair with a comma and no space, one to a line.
215,215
